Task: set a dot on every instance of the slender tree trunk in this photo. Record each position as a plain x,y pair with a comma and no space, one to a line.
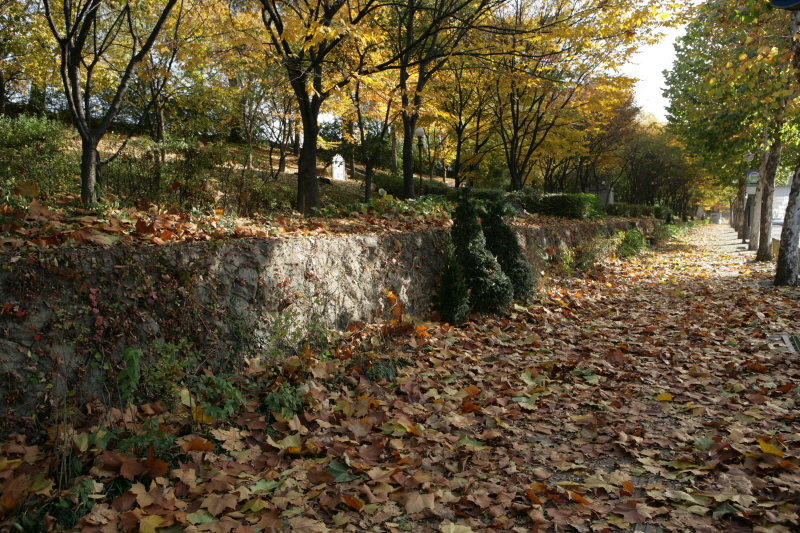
742,208
368,173
755,216
89,160
770,168
409,123
394,150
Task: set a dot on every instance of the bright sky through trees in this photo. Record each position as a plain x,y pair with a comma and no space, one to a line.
648,66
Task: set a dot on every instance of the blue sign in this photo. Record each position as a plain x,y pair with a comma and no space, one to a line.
752,177
791,5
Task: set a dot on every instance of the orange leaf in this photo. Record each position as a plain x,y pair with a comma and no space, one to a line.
157,467
627,489
354,502
198,445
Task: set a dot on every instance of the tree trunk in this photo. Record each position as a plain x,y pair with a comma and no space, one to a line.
742,207
786,268
770,168
368,172
2,92
394,150
755,216
307,184
89,160
409,123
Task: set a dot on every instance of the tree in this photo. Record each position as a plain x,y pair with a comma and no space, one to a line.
786,265
422,36
304,36
86,31
556,49
742,82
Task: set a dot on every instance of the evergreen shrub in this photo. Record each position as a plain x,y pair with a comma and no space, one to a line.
453,293
490,289
502,242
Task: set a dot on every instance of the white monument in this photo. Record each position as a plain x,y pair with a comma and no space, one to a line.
338,171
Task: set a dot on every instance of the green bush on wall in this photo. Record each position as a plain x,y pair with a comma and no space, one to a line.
574,206
502,242
491,290
453,293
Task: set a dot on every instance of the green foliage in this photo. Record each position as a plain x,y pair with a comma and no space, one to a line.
286,399
632,243
32,149
638,211
130,375
662,212
217,395
453,292
574,206
529,198
393,184
502,242
386,204
490,289
163,377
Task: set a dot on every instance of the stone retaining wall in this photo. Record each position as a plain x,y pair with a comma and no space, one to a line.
67,315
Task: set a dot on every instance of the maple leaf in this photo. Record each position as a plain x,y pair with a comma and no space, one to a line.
216,503
417,502
307,525
633,512
149,524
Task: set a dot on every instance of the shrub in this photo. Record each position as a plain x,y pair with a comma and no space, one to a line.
32,149
661,211
528,197
491,290
502,242
453,293
618,210
575,206
633,242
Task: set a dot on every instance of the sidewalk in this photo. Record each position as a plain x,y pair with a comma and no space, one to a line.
723,239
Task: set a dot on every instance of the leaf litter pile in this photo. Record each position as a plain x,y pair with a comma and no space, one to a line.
644,395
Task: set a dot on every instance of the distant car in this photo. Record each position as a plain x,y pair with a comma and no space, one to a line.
714,218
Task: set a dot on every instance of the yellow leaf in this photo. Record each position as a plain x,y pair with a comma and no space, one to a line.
768,448
666,397
149,524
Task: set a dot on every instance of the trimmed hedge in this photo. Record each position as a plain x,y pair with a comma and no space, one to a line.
574,206
638,211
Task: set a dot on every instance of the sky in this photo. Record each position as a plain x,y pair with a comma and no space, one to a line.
648,65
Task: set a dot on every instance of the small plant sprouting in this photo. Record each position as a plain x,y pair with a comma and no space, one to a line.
286,400
129,376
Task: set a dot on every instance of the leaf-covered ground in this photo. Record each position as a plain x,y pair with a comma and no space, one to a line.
649,395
